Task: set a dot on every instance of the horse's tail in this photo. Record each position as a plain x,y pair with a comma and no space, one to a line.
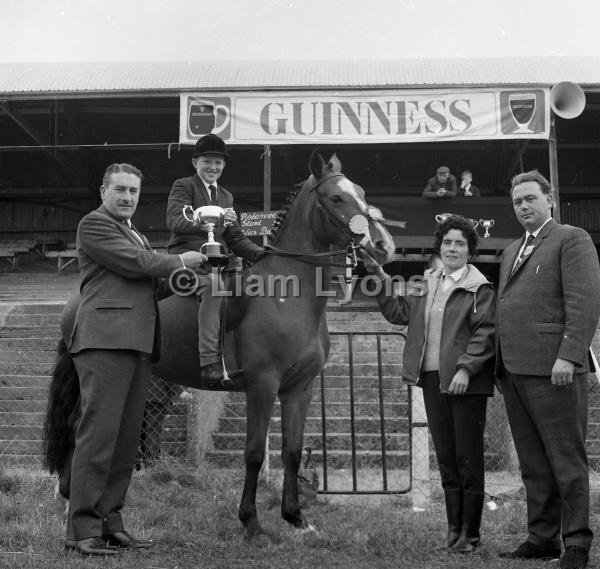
62,413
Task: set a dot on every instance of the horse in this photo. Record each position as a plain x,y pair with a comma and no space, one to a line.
282,339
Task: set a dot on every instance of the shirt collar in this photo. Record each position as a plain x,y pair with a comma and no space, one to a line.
536,232
456,275
206,185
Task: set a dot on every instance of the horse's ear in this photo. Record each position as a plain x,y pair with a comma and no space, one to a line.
334,164
316,164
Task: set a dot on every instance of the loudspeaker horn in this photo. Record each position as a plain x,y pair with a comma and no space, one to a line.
567,100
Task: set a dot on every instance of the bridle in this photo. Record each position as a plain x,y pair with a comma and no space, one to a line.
360,223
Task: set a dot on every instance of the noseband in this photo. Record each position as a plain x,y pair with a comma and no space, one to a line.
356,228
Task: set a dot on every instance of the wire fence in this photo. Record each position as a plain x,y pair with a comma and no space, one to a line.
361,428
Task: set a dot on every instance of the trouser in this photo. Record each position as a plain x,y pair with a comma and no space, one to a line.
456,423
549,427
209,317
114,387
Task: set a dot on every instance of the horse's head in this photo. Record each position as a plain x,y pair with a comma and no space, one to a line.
348,217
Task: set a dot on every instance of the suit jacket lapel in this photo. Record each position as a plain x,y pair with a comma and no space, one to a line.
537,242
143,237
124,228
201,189
510,253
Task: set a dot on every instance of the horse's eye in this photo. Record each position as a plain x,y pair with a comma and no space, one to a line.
336,199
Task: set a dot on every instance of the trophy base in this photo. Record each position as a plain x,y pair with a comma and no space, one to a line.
217,260
212,250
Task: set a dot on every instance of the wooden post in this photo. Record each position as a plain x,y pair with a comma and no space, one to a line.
553,160
421,492
266,156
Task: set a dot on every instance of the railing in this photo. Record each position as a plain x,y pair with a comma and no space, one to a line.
385,487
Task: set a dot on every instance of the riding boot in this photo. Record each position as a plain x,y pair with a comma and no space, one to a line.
214,376
454,513
471,521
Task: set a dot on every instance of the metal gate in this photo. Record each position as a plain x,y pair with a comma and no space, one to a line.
376,453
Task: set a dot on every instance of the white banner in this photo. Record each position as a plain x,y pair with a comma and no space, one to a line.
327,117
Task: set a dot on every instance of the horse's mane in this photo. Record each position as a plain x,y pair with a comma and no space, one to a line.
289,200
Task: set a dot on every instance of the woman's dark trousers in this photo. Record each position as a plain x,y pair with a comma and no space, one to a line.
456,423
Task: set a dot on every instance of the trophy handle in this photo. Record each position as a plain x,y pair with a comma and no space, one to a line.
492,221
185,208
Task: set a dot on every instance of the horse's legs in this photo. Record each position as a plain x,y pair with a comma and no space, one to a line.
259,404
294,408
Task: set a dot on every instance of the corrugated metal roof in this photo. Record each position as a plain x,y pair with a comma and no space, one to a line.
71,78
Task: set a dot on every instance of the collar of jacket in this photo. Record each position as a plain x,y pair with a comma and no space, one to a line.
471,280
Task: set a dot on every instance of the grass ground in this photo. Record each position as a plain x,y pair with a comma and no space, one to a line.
192,516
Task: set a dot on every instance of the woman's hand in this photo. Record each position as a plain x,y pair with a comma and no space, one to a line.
459,383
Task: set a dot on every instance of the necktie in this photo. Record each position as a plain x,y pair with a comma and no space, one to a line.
137,236
213,195
524,252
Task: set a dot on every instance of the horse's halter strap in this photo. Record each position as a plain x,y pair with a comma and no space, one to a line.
358,226
371,213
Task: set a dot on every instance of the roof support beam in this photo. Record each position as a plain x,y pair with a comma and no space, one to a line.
32,132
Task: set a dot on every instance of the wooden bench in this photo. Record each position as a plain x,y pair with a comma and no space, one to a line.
64,258
10,250
9,255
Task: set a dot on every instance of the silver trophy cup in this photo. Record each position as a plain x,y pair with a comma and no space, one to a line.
487,224
212,216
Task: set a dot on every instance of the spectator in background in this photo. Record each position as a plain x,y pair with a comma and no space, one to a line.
467,188
442,185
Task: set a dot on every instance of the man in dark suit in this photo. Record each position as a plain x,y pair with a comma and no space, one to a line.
548,306
115,339
210,154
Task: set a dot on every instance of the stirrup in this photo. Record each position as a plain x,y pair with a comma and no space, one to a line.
228,377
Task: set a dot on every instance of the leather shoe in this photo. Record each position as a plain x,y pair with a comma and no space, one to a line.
91,546
124,540
574,557
528,550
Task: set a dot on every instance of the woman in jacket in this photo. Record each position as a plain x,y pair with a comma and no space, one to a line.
449,353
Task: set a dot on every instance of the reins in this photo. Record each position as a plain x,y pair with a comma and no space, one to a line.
311,258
